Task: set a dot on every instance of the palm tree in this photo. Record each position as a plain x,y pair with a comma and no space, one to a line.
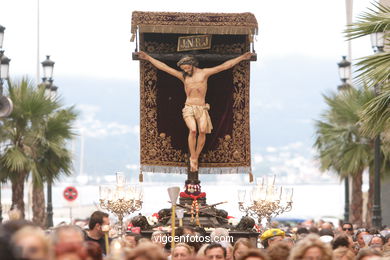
54,158
374,69
341,146
35,135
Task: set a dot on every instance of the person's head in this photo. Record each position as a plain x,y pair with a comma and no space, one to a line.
326,232
387,239
347,228
146,251
219,235
229,252
327,225
368,254
377,241
70,251
187,65
192,240
182,231
94,251
313,229
200,252
215,251
342,240
182,251
159,238
289,241
7,229
67,234
97,220
302,232
131,239
240,247
254,254
30,243
272,236
343,253
311,247
279,251
359,237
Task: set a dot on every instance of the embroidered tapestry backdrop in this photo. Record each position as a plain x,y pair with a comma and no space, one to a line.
164,135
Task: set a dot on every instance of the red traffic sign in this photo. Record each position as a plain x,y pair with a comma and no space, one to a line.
70,193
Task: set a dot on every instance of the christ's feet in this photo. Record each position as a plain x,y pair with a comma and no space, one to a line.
193,165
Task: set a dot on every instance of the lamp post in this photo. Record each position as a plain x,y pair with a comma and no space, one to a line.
5,103
344,72
2,28
377,43
51,93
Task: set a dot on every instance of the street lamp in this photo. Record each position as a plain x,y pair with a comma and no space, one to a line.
51,93
6,105
344,73
48,66
377,43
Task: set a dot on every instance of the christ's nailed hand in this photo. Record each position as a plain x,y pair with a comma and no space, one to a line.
248,55
142,55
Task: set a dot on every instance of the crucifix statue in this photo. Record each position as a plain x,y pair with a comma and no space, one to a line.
195,111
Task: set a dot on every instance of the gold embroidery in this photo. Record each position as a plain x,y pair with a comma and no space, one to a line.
163,47
232,150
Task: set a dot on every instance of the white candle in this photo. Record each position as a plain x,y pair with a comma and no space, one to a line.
292,191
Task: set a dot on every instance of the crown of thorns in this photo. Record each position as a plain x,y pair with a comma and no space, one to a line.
188,60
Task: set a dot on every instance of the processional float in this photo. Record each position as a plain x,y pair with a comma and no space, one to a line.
212,38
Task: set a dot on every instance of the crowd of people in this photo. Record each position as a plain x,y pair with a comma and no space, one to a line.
21,239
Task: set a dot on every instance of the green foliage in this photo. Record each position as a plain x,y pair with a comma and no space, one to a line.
34,136
376,19
374,71
340,144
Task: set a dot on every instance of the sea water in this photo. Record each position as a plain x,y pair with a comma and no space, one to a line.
309,200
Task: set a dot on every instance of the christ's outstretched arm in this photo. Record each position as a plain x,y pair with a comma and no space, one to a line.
227,64
161,65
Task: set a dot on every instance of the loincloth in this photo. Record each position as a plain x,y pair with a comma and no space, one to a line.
197,112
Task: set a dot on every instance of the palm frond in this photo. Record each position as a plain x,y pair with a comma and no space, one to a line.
376,19
375,117
374,70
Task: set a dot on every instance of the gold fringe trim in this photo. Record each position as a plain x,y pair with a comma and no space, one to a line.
197,29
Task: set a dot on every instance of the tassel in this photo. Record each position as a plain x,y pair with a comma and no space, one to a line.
250,177
141,177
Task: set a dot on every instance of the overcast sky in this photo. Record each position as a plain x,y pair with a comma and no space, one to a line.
90,38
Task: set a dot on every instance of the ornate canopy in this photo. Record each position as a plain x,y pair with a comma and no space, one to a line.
194,23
